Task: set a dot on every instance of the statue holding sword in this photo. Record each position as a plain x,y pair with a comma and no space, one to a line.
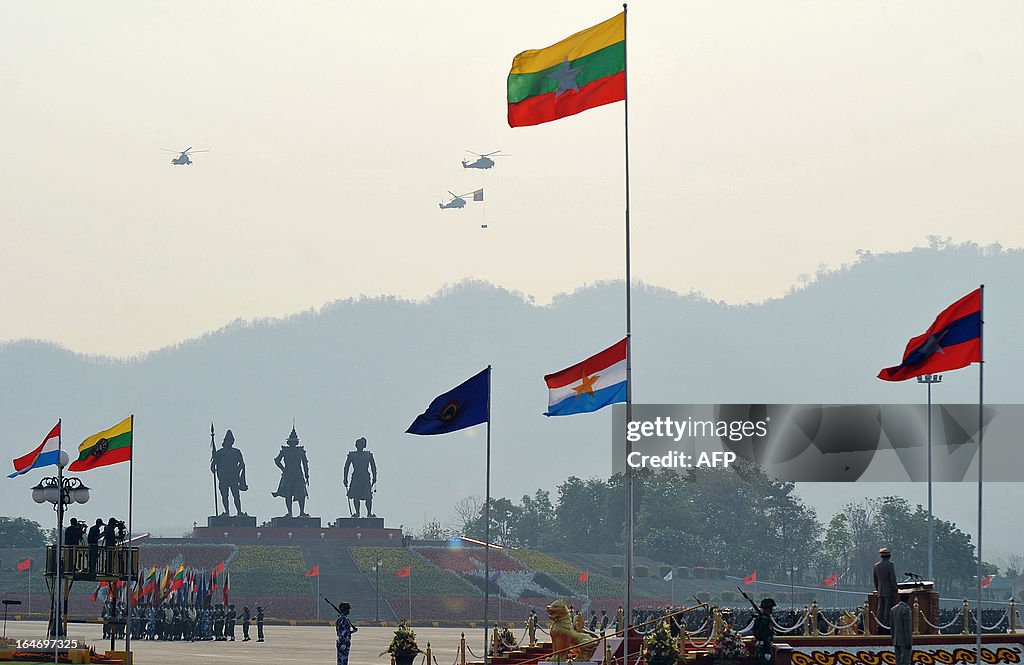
364,477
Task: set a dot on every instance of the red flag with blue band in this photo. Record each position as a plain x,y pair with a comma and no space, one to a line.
953,341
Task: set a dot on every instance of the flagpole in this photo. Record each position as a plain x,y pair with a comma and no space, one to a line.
131,468
487,521
213,453
57,621
981,432
628,607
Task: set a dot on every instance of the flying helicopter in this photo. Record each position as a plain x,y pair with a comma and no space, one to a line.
456,202
483,161
183,155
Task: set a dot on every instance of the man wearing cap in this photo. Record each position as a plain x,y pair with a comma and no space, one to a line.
902,631
885,586
344,628
763,632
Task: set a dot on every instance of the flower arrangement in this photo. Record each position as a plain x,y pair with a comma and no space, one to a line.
403,645
729,644
660,646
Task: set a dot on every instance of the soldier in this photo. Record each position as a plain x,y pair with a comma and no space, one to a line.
902,632
294,474
361,489
884,575
229,621
531,626
259,623
344,628
604,621
764,634
229,466
218,623
246,619
593,621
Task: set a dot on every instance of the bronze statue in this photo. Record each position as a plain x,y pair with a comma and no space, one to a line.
361,488
229,466
565,637
294,474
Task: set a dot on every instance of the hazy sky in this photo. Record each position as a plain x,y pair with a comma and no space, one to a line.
767,138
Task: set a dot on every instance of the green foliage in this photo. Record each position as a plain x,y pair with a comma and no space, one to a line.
403,643
426,579
21,532
660,646
268,558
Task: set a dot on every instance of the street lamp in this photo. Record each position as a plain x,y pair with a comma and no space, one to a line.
376,569
60,492
930,379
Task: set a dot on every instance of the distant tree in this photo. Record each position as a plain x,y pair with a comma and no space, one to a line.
21,532
434,530
467,511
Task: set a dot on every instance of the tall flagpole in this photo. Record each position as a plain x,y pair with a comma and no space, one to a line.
628,606
981,432
128,611
487,520
58,621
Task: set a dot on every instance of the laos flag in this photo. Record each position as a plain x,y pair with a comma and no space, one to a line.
953,341
45,454
590,385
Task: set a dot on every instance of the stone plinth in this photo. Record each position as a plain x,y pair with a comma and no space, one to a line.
216,521
295,522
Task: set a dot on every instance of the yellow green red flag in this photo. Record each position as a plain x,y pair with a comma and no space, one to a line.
582,71
107,447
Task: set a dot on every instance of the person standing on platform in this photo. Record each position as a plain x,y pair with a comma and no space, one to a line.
259,624
604,621
95,534
246,620
73,533
885,584
902,631
344,628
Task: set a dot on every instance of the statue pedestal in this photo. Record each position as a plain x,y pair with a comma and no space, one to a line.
231,520
295,522
359,522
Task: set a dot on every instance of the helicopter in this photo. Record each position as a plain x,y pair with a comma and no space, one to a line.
456,202
482,161
183,155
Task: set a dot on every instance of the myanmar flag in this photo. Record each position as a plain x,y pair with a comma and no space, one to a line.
107,447
179,579
580,72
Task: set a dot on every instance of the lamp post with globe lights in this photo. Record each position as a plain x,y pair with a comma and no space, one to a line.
59,492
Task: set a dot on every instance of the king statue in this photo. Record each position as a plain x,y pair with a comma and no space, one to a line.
361,462
294,474
229,467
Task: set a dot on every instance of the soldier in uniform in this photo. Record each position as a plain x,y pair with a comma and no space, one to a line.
902,631
361,488
885,584
229,466
229,622
344,628
218,623
764,633
259,623
531,626
604,621
294,474
246,619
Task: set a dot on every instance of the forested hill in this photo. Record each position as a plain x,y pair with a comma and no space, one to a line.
367,367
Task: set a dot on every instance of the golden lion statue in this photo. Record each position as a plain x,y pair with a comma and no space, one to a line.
564,636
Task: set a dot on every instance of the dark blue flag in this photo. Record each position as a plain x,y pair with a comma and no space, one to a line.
463,406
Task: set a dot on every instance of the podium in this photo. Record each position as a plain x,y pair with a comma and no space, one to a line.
927,601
